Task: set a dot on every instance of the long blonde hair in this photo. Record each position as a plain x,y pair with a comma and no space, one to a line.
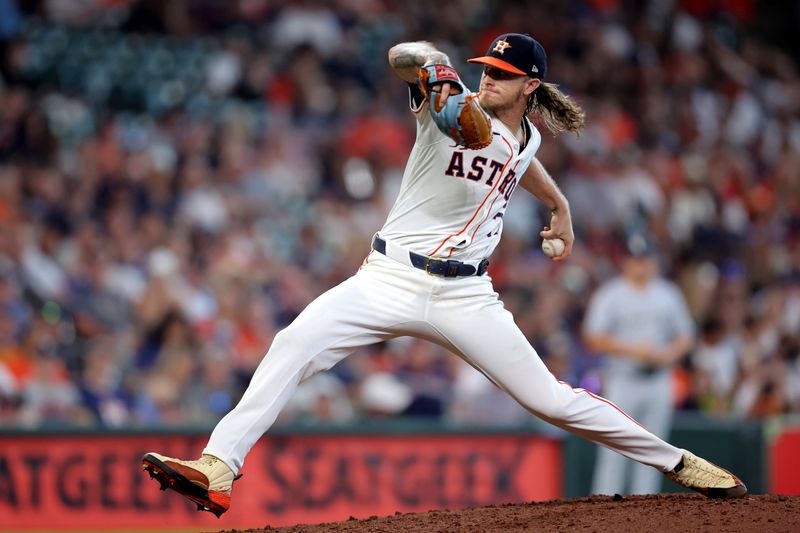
558,111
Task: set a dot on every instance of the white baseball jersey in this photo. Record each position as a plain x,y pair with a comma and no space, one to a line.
654,314
452,200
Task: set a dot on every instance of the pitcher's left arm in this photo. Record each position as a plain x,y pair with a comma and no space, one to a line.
538,182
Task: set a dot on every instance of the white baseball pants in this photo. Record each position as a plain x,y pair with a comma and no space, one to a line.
386,299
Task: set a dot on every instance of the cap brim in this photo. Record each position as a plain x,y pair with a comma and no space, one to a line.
497,63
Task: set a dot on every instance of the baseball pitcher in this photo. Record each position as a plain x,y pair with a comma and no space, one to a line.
426,273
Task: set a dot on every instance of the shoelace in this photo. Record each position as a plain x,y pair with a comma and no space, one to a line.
207,460
704,473
203,461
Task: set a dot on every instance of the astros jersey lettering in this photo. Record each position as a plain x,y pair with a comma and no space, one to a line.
452,200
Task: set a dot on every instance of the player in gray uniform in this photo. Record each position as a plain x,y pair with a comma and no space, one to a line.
426,277
642,322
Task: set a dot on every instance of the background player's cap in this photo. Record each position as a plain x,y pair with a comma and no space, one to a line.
640,245
518,53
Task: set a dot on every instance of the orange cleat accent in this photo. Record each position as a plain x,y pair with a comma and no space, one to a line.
207,481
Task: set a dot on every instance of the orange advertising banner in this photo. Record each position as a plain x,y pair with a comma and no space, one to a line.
96,482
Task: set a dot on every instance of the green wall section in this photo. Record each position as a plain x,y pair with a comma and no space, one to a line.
736,445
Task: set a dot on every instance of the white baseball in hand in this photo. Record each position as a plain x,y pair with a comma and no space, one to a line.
553,247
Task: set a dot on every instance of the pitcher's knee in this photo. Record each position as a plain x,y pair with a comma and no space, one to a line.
288,348
300,350
546,406
289,341
550,411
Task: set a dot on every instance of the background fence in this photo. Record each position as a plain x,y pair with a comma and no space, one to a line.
93,481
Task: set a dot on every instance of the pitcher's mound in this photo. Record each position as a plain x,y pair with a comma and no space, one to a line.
603,514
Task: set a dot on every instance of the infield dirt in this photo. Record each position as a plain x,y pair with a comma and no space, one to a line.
602,514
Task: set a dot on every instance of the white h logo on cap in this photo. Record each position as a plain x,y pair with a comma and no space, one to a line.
501,46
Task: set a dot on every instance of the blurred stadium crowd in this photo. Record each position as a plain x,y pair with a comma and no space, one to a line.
179,179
